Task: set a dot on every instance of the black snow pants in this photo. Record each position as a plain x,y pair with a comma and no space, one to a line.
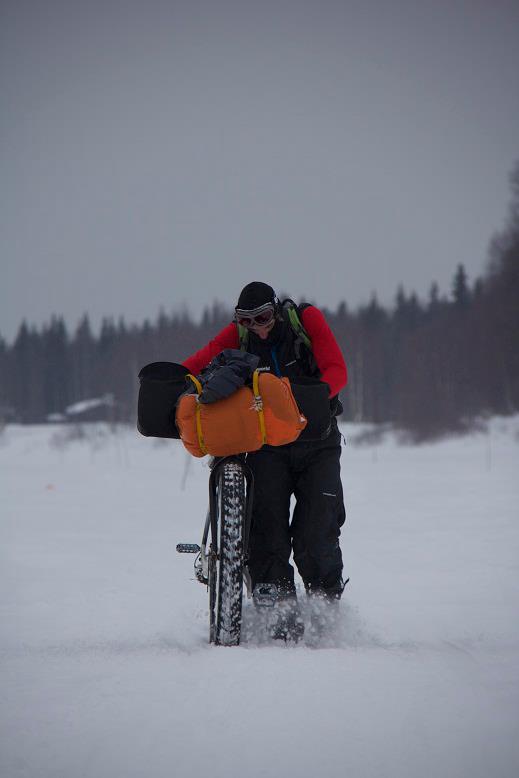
311,472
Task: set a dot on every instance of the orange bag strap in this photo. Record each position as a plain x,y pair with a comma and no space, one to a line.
258,406
199,432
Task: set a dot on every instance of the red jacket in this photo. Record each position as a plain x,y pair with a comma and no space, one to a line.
325,349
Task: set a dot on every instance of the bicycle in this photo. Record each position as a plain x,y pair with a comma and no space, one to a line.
222,565
221,561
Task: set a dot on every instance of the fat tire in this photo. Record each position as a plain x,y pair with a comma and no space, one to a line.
231,504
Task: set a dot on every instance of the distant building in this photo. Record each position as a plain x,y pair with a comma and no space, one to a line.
93,409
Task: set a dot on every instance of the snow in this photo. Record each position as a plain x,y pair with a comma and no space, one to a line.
105,665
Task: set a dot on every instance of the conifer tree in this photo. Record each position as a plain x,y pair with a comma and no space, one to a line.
460,288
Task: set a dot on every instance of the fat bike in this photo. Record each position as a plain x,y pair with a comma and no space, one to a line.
221,561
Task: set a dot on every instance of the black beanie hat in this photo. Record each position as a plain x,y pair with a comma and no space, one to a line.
255,294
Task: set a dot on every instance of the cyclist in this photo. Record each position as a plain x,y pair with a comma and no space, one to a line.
307,469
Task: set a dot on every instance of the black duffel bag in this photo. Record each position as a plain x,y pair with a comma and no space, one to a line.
311,396
161,384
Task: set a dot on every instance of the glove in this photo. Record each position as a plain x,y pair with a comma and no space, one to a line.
226,373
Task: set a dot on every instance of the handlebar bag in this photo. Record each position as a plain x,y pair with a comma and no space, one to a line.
161,384
267,413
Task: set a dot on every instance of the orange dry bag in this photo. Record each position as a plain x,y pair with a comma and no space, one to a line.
245,421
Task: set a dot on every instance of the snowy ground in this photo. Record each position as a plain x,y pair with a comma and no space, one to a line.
105,666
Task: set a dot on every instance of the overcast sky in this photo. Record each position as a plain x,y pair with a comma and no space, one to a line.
166,153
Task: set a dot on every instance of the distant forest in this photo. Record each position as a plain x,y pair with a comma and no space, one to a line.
427,367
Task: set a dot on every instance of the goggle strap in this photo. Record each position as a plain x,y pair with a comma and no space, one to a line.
250,314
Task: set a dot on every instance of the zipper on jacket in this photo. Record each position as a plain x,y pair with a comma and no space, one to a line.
275,360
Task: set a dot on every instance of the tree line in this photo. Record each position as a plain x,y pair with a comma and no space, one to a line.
425,366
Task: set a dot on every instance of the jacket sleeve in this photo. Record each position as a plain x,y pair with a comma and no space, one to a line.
226,338
325,348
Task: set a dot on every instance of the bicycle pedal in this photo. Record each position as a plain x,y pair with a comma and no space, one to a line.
188,548
265,595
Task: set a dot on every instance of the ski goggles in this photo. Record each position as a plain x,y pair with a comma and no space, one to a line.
259,317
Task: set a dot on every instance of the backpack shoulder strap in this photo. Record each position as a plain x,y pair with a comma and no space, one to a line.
293,312
243,337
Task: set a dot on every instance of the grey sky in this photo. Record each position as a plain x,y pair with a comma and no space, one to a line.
166,153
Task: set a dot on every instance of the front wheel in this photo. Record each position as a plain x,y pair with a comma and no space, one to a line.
226,566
